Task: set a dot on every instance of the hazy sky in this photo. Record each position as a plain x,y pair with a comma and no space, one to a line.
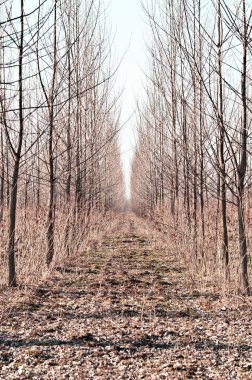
126,19
128,26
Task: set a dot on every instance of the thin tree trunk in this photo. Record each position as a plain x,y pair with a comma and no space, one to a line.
38,173
202,202
51,206
222,165
15,175
2,180
243,161
69,164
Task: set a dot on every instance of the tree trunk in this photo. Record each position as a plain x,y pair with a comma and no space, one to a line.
222,164
14,184
51,206
242,168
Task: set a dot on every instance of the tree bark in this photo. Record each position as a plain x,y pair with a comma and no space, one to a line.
15,175
242,168
222,164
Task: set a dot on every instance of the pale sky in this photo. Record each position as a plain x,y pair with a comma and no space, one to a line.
127,22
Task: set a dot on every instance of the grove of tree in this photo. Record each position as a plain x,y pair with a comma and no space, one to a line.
61,173
192,167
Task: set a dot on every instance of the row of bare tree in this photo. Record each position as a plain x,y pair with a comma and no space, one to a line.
193,159
59,119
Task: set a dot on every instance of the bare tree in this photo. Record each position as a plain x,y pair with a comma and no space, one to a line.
195,101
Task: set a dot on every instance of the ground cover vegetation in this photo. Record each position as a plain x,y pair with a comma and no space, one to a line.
96,286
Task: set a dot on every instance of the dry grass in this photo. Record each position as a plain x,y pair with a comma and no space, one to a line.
31,244
204,263
125,308
203,259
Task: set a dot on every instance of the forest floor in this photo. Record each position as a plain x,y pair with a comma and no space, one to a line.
123,310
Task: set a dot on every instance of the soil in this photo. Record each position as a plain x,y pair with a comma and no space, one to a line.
125,310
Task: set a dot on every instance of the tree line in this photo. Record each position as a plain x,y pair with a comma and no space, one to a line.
60,159
192,168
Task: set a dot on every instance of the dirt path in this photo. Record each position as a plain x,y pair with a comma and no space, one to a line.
124,311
